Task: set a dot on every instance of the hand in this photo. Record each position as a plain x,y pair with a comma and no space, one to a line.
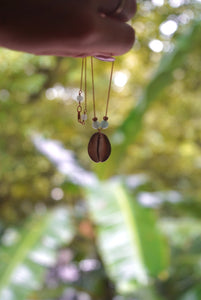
67,27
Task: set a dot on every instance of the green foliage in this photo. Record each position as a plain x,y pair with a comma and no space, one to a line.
130,242
26,253
145,250
160,80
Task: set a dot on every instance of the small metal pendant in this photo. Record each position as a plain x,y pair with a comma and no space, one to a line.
99,147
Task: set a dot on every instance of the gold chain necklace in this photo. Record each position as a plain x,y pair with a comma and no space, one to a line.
99,147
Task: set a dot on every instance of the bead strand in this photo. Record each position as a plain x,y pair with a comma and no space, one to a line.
97,125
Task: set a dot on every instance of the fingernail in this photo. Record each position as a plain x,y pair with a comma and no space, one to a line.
105,58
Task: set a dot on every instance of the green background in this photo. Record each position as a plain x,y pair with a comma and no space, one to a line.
127,229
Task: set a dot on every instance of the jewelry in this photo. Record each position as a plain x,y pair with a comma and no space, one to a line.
99,147
82,118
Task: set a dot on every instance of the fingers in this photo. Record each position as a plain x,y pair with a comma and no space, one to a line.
122,10
74,32
111,37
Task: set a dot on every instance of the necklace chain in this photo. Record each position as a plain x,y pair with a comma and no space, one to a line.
82,118
109,89
85,84
93,88
99,147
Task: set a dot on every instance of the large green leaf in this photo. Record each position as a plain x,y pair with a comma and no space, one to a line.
25,253
129,239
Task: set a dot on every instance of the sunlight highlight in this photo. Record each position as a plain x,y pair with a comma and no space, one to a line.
57,194
62,93
176,3
168,27
120,79
157,2
156,45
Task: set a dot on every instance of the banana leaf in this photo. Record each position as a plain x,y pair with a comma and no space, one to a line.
27,252
129,239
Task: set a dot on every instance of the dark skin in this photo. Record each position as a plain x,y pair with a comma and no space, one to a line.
73,28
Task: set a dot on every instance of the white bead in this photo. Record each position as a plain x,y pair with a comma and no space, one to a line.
104,124
80,98
95,124
84,117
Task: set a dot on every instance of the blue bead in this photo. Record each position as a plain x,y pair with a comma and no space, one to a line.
95,124
104,124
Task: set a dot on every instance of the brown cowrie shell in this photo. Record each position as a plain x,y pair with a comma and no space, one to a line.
99,147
